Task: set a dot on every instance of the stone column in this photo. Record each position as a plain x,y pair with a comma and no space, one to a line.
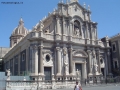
41,61
84,70
109,62
91,31
70,61
64,31
65,54
35,58
27,53
87,31
57,30
19,64
70,31
99,64
71,25
90,63
58,60
13,66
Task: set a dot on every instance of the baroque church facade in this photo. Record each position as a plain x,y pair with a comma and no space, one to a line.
63,43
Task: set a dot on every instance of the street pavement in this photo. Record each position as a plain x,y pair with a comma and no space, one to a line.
97,87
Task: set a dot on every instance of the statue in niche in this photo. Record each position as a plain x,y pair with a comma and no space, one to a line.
78,74
77,31
65,51
66,67
77,28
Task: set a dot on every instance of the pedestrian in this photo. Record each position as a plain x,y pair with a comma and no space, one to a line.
77,86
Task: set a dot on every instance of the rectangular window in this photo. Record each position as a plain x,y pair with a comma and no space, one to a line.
114,47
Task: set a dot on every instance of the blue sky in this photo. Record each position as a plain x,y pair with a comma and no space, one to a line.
105,12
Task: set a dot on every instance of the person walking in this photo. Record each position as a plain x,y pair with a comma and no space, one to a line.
77,86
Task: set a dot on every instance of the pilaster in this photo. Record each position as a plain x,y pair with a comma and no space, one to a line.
92,36
58,57
13,65
58,28
87,34
84,70
109,62
99,64
70,61
71,29
89,60
27,53
19,64
41,67
35,58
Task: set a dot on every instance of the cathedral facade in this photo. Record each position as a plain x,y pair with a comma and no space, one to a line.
63,43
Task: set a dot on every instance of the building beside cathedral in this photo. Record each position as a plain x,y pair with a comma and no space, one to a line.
115,54
62,43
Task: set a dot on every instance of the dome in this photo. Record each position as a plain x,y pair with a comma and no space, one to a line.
20,30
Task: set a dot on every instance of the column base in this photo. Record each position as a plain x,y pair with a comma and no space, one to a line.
90,74
58,74
71,74
41,74
97,73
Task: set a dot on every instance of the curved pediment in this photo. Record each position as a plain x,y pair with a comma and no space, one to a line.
80,53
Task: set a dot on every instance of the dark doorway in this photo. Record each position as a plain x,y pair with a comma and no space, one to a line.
102,70
79,67
47,72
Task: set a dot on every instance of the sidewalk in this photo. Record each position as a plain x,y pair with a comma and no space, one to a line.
103,85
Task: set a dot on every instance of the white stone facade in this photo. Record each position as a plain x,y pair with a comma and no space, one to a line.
60,44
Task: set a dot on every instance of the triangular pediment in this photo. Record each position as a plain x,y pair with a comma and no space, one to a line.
77,5
75,9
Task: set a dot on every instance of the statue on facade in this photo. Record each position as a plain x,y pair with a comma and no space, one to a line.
77,31
65,51
66,68
96,67
78,74
8,74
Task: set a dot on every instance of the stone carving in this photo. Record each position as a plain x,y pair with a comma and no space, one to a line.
66,68
65,51
41,25
76,32
94,54
78,74
96,67
8,74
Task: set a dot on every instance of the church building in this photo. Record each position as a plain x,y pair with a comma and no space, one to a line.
59,45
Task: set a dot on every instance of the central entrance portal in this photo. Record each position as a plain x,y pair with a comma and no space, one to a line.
79,67
47,73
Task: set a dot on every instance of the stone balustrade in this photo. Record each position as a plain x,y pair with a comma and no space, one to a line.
34,34
48,36
78,40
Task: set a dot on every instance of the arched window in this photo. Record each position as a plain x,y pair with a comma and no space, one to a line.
101,61
76,24
77,31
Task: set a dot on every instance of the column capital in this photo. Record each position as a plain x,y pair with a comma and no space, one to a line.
70,49
57,18
58,48
40,46
34,47
89,51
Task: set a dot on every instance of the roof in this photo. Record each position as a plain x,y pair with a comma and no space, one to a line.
3,51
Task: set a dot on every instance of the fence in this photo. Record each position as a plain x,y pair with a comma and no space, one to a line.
101,81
